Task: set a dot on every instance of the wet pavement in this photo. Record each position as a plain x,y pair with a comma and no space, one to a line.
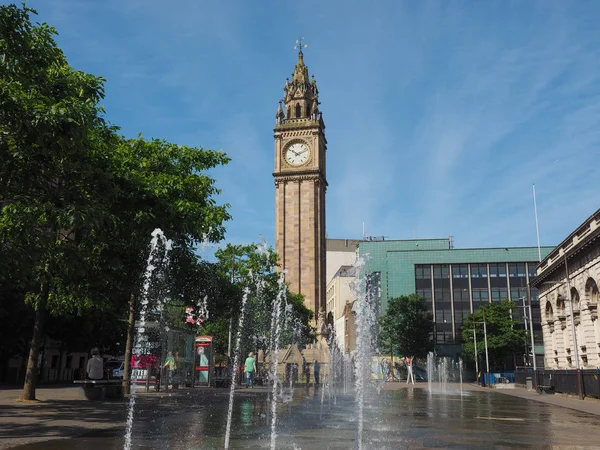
399,418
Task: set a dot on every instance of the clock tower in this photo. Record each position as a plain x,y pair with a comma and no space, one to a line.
300,185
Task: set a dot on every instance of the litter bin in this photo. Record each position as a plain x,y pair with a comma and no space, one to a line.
529,383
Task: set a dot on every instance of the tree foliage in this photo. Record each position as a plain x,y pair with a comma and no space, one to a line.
52,178
505,336
406,327
254,269
78,201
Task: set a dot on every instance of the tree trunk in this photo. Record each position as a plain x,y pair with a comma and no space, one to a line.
129,345
31,373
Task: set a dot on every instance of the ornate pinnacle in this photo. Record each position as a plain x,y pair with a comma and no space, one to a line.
299,45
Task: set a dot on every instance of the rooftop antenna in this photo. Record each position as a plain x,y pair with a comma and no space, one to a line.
537,228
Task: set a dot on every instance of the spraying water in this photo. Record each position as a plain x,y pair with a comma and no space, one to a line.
460,371
365,318
236,361
430,371
444,372
276,328
154,259
334,362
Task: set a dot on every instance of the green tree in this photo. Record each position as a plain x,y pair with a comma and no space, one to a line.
254,268
79,201
203,286
161,185
50,121
406,327
505,336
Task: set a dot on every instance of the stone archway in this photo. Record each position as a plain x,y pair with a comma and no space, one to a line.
592,298
561,306
575,299
549,312
549,335
591,291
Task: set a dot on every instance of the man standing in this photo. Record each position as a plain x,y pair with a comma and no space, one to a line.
250,368
317,372
306,370
95,366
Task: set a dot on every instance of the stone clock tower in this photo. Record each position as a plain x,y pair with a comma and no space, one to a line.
300,185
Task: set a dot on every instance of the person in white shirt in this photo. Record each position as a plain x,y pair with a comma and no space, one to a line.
95,366
410,376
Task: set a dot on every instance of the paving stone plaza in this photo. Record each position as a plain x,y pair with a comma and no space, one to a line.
396,417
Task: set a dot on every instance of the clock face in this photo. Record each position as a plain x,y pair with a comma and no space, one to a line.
297,154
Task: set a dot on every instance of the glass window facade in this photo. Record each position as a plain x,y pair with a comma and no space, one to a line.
453,281
423,284
443,308
461,296
454,291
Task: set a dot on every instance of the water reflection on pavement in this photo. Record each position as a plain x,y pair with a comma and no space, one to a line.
401,419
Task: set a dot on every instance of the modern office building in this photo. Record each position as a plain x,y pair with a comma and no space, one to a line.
454,282
567,280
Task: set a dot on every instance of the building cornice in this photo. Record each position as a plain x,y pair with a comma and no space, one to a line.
304,175
583,237
548,269
299,124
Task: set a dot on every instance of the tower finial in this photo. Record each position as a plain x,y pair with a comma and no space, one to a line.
299,45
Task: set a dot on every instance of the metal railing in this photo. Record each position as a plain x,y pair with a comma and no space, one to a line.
585,383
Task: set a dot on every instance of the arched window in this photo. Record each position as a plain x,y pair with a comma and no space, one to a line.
549,312
575,299
289,113
298,110
591,291
560,305
307,109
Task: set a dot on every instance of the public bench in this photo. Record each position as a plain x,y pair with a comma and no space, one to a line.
101,389
222,382
545,389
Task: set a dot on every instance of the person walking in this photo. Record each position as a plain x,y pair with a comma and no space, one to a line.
409,377
250,369
171,366
95,366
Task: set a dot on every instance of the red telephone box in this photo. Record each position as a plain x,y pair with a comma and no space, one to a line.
203,360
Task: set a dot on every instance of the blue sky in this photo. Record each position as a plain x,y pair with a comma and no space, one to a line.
440,115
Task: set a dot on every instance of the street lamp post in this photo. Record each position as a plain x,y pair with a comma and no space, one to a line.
579,387
530,320
476,353
487,360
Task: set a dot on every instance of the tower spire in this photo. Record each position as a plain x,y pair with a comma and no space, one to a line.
301,94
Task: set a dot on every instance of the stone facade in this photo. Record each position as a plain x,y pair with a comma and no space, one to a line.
340,252
339,294
567,280
300,185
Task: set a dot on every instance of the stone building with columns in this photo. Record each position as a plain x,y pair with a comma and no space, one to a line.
567,281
